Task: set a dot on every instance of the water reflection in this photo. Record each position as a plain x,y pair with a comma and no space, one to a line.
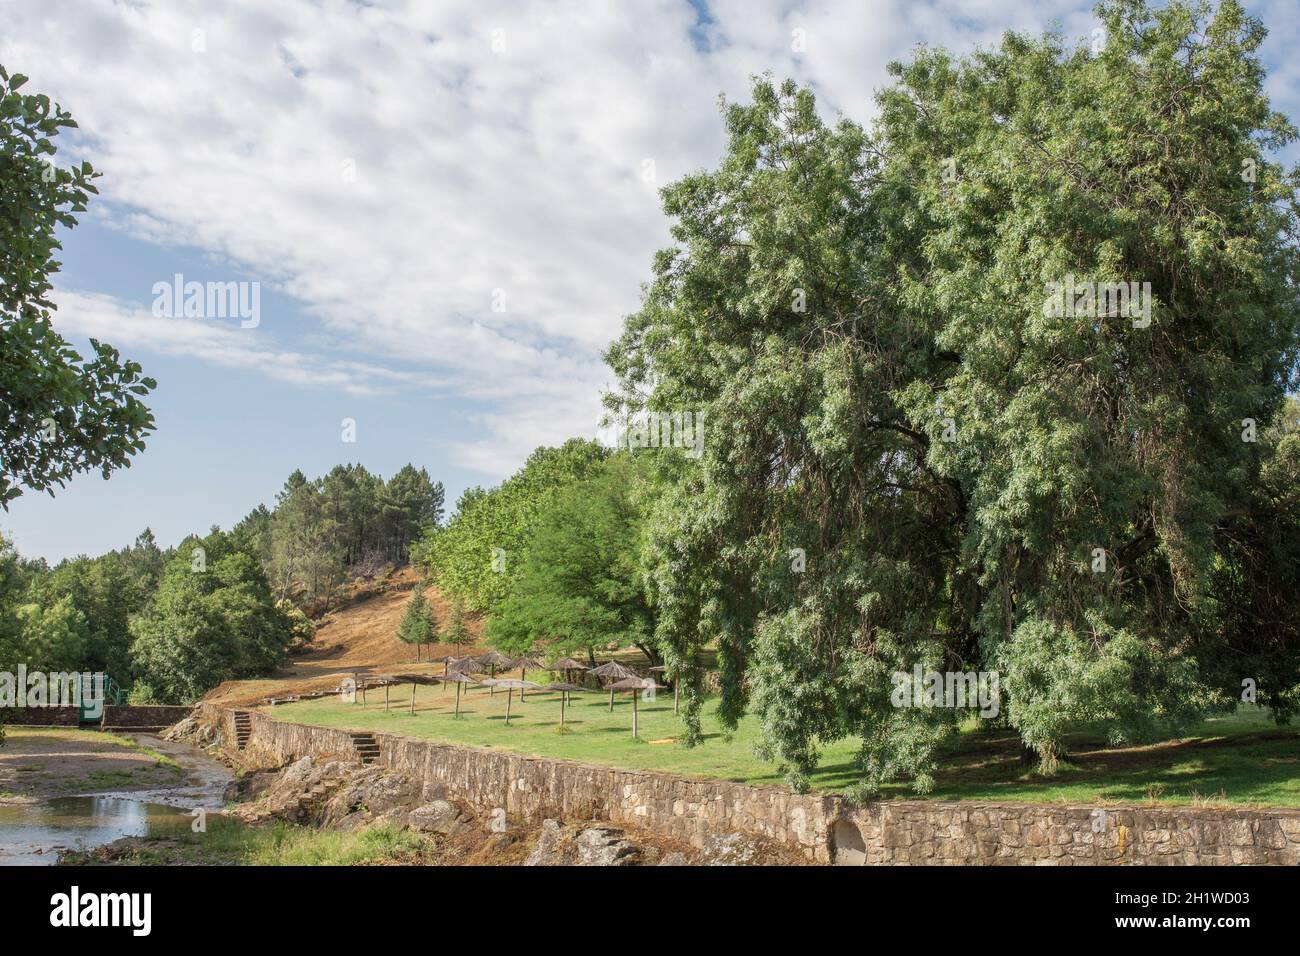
32,834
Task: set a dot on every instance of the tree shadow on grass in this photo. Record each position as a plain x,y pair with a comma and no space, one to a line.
1240,767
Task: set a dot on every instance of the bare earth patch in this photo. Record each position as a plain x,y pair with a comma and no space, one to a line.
54,761
359,637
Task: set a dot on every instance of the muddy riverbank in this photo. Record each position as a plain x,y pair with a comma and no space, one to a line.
64,790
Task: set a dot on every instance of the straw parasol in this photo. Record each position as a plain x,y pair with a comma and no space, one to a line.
566,666
457,678
491,661
614,671
446,660
377,680
411,679
565,689
511,685
636,685
523,663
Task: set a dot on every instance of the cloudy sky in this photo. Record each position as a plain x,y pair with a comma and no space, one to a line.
449,207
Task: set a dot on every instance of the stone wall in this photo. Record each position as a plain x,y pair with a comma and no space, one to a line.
117,717
948,832
134,716
824,828
45,717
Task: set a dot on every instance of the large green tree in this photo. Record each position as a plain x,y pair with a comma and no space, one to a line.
105,594
911,461
60,414
213,618
581,584
478,554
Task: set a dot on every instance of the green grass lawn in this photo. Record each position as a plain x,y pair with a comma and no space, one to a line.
1239,759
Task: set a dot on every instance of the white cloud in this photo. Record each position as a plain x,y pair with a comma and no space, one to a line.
475,170
222,342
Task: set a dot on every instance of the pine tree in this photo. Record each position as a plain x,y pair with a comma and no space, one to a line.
417,625
457,629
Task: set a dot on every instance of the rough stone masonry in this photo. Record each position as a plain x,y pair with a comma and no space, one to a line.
826,829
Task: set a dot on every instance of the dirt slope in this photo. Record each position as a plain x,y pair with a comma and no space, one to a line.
358,638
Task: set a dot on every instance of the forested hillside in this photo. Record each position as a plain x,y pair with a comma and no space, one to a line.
171,623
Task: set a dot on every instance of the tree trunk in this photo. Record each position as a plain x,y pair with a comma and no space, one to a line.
656,659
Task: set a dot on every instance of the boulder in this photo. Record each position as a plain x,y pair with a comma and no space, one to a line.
550,848
436,817
729,849
606,846
296,773
182,729
372,792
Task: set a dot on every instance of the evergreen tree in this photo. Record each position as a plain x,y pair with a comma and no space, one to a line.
458,632
418,626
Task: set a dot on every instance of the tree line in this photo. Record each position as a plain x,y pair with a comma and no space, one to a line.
172,623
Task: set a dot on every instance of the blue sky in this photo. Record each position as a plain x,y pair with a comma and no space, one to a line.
499,153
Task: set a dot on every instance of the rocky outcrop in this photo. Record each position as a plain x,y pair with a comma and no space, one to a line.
207,734
558,845
440,816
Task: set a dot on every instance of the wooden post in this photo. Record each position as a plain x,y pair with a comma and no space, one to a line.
363,694
510,693
634,697
412,698
523,675
563,694
611,700
457,698
385,697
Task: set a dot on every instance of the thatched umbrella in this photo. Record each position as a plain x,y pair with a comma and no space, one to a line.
523,663
566,666
466,665
376,681
412,679
636,685
511,686
491,661
565,689
457,678
446,660
614,671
